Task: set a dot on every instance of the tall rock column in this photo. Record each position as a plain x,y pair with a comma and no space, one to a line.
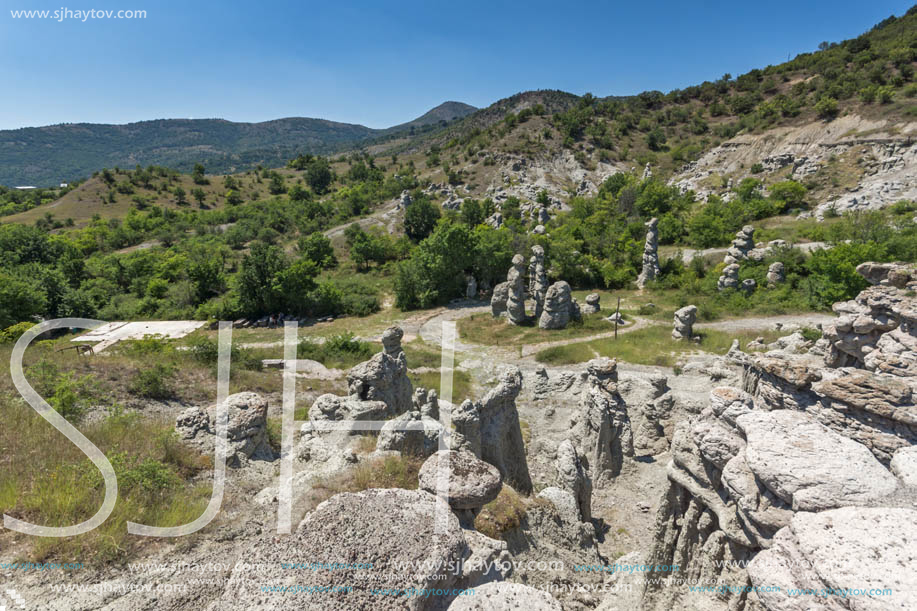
539,280
515,301
650,254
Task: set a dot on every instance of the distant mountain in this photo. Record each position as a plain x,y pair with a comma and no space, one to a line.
45,156
445,112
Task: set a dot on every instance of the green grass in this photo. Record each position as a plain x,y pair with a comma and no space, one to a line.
649,346
46,480
461,383
489,331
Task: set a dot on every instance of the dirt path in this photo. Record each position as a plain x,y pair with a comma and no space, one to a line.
766,322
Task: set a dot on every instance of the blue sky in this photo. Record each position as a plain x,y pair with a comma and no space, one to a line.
382,63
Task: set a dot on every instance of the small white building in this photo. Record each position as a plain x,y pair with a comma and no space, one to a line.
26,188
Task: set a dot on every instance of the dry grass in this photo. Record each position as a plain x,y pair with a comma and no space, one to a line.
502,514
389,472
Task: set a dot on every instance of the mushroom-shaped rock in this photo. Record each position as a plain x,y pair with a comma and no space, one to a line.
470,482
506,595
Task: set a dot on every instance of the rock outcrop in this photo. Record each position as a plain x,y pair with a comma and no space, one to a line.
684,322
729,278
515,297
650,255
382,526
246,430
506,595
559,307
827,552
803,474
490,430
738,476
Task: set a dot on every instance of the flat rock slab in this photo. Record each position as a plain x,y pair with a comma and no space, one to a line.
366,532
852,548
113,332
809,466
470,482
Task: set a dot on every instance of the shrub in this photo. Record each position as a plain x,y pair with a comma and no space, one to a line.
154,383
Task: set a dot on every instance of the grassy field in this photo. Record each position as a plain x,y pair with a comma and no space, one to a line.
486,330
649,346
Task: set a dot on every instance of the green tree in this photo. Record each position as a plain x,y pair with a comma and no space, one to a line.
199,195
180,195
319,175
258,286
420,218
316,247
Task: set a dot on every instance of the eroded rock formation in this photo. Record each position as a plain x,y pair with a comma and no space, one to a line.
246,430
684,322
601,431
650,254
729,278
776,274
743,244
515,296
559,307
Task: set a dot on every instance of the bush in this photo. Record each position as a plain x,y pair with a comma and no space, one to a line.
154,383
826,108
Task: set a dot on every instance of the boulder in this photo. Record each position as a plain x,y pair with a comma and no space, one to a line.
498,299
863,548
749,285
592,304
470,482
904,465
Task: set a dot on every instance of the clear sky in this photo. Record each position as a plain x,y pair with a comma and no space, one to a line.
382,62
